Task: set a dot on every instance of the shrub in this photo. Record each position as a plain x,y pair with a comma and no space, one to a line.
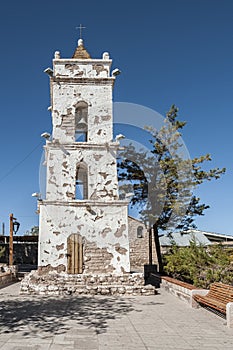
199,265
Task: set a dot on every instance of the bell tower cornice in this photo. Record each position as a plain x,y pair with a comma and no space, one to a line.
77,68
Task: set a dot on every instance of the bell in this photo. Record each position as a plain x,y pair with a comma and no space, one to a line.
81,121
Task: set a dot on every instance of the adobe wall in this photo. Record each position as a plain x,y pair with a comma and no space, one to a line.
139,247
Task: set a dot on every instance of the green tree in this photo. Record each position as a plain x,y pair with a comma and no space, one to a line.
199,265
34,231
163,181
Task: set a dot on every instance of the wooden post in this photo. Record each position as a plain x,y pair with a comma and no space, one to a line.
80,254
150,246
11,240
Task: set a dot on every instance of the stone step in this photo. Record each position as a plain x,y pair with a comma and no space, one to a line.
94,290
58,284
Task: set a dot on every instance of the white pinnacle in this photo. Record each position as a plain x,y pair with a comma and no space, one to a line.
80,42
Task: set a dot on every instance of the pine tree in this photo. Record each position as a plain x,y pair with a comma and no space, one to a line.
163,180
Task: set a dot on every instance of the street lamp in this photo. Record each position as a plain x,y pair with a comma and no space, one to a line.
16,225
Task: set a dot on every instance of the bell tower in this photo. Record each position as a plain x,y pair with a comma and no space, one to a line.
83,224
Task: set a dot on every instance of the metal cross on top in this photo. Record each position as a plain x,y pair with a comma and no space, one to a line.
80,30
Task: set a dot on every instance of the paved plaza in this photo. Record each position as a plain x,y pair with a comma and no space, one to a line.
157,322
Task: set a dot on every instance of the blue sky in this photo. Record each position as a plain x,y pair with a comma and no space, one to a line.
169,51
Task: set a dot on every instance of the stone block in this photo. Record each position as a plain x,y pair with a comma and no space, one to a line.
229,315
121,290
105,291
128,284
193,302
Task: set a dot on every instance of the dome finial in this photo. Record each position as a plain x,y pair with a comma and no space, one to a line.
81,52
80,42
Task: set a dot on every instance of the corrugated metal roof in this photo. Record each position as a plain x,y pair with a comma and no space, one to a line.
223,236
183,239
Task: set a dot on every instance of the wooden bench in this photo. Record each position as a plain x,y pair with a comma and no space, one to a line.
217,298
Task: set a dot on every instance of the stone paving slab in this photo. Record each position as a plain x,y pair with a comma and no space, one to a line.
159,322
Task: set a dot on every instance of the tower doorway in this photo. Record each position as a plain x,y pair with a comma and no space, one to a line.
74,254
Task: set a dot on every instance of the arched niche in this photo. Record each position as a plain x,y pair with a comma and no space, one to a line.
81,190
81,121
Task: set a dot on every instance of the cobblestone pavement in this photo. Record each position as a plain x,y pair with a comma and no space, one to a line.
158,322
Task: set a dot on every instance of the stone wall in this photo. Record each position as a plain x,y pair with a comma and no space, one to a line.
181,290
8,274
53,283
5,278
139,246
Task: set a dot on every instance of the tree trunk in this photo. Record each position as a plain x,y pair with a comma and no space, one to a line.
158,249
150,247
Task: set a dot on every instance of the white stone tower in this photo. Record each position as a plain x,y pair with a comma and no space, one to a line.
83,224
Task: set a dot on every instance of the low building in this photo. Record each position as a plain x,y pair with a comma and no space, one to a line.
182,239
25,249
214,237
139,245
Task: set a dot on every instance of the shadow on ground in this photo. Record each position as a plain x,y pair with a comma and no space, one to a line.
58,315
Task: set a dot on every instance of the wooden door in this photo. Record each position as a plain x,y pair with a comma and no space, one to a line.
74,254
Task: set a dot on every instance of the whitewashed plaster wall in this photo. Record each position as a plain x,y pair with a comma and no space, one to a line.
105,224
102,218
75,68
101,169
68,88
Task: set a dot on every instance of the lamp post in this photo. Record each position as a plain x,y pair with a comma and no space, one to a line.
14,227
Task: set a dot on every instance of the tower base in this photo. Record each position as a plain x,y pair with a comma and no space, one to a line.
54,283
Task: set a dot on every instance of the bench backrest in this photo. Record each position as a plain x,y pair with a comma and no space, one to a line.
221,291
